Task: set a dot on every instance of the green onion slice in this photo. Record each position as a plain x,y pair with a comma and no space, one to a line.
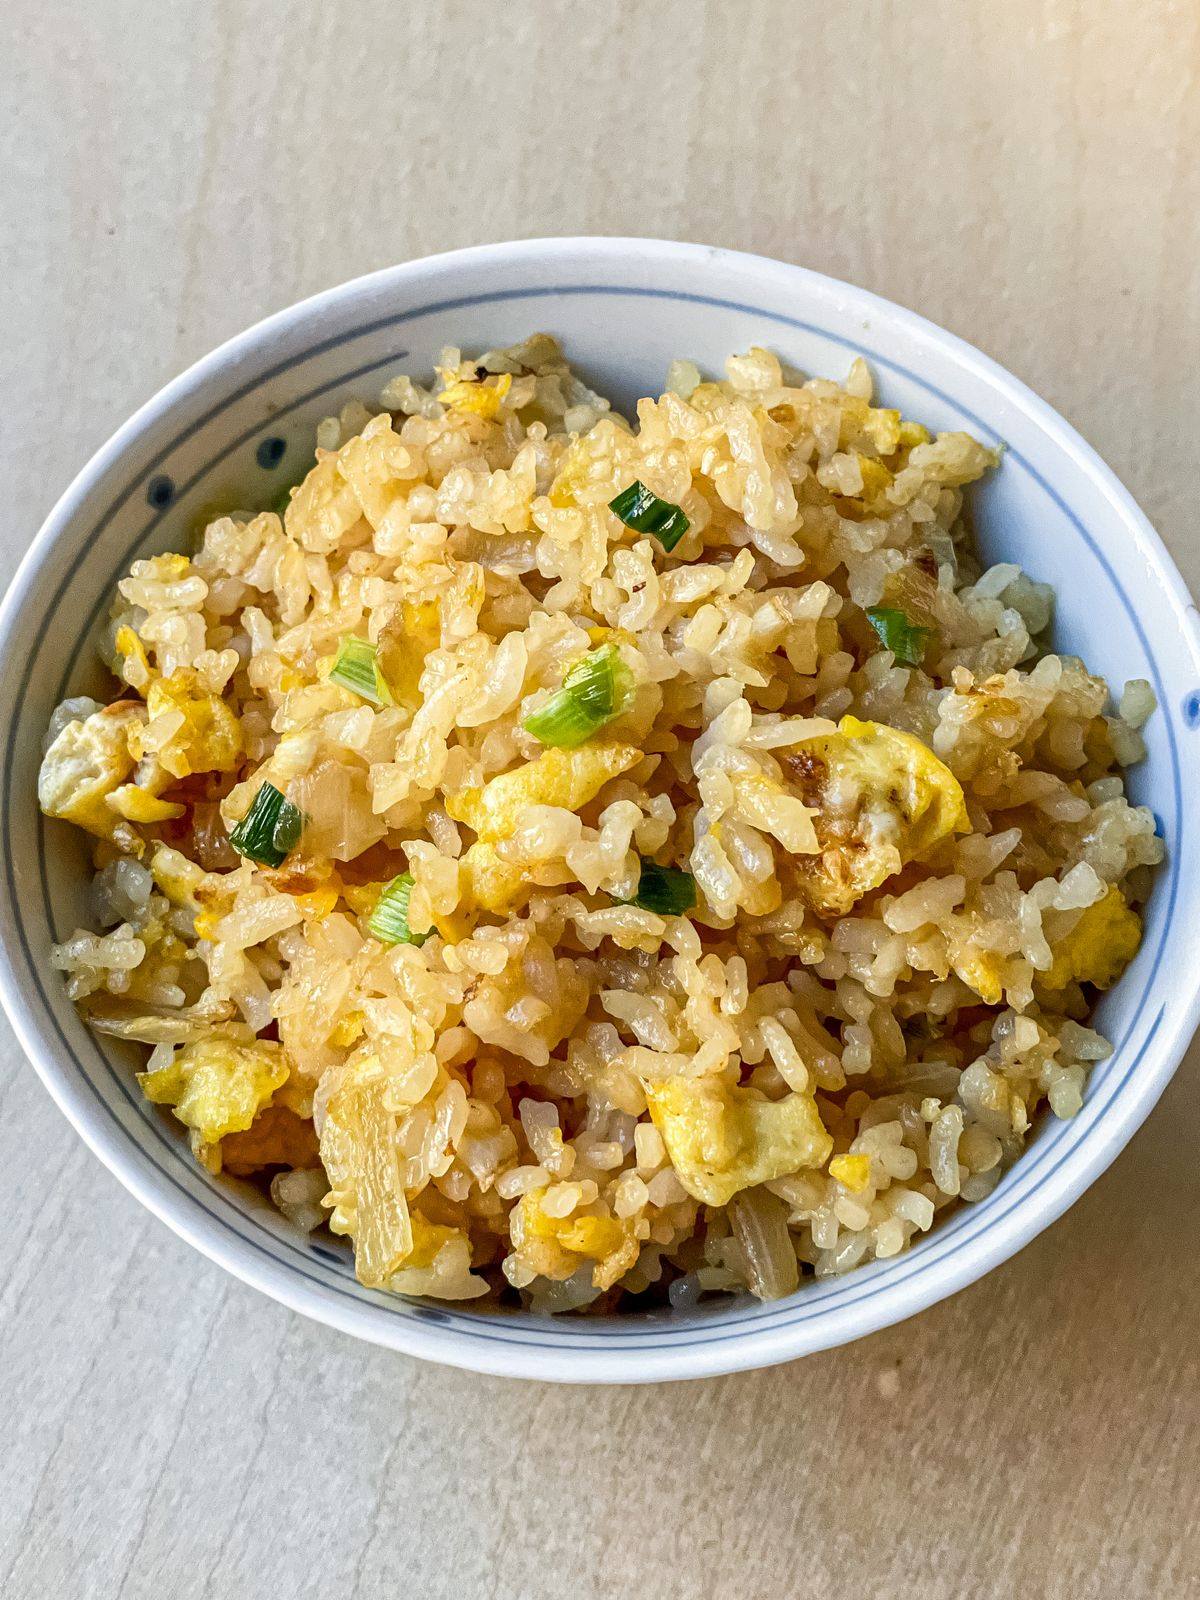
269,830
596,690
903,638
389,920
646,513
357,669
667,890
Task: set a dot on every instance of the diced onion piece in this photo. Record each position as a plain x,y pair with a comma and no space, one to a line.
644,512
760,1226
905,639
669,891
357,669
269,830
596,690
389,921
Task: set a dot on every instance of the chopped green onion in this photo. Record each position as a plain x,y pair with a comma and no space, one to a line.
389,920
668,890
596,690
269,830
903,638
646,513
357,669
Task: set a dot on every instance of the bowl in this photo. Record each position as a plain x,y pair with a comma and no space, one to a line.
231,431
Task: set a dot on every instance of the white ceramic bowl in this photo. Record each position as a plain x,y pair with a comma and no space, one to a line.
624,308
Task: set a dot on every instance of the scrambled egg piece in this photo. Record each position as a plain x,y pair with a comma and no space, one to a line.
1099,947
170,567
439,1265
556,1247
87,763
137,804
358,1152
876,481
881,799
567,778
217,1086
361,897
135,664
210,739
871,500
606,635
852,1172
721,1139
428,1239
982,971
318,903
879,426
488,882
187,885
403,648
349,1030
572,474
421,623
481,399
914,433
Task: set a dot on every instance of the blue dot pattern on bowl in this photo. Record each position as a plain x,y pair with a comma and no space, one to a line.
271,452
160,492
1191,709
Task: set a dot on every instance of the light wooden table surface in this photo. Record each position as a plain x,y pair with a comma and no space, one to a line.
1026,175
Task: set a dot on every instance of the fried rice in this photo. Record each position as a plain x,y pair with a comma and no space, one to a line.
591,865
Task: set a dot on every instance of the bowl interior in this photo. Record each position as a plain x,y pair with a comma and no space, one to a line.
234,432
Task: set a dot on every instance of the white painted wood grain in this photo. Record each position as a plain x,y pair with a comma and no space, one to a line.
1026,175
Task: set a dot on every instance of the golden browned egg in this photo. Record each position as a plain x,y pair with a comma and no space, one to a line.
881,799
722,1139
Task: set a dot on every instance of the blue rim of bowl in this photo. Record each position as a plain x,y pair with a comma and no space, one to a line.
966,1226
